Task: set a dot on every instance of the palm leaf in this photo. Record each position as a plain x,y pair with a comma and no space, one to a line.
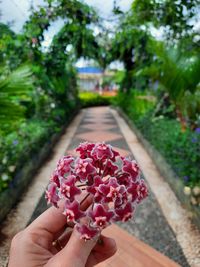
17,83
179,70
14,87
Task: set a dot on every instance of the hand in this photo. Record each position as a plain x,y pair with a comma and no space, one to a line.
33,246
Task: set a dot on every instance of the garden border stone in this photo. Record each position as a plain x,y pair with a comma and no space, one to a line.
166,171
9,197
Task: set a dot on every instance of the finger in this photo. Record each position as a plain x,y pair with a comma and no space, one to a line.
105,248
76,249
53,221
61,242
64,238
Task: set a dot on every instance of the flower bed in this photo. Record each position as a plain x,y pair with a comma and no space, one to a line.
25,159
188,195
91,99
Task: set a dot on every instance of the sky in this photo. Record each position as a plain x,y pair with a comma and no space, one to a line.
17,11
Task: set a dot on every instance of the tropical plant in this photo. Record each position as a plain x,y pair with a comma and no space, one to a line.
15,87
177,71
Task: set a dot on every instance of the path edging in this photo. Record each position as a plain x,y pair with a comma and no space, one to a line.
166,171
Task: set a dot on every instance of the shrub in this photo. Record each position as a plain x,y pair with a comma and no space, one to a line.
91,99
18,147
136,104
180,149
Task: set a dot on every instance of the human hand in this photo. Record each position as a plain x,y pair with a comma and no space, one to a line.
33,246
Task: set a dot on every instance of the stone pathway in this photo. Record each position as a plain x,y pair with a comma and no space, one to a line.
149,225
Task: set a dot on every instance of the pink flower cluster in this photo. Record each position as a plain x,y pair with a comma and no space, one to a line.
112,182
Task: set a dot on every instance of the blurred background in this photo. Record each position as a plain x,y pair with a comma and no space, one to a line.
141,57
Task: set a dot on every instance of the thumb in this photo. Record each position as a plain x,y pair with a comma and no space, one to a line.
77,251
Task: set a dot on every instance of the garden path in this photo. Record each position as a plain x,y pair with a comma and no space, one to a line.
154,222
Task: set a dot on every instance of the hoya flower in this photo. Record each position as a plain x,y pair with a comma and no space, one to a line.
124,214
100,216
55,178
112,182
115,154
131,167
94,188
84,168
64,165
87,232
124,179
133,190
68,188
72,211
102,151
51,194
85,149
142,191
113,190
110,168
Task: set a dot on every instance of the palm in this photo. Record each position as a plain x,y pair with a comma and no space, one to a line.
33,247
45,254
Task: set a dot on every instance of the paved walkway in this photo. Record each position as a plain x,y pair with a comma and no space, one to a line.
149,225
99,124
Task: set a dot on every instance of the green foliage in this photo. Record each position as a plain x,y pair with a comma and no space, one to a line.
172,67
172,63
15,87
37,107
76,32
178,70
136,104
180,149
37,99
173,14
90,99
18,146
191,107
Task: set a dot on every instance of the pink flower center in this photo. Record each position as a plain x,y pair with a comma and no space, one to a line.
114,192
82,167
100,221
69,214
66,190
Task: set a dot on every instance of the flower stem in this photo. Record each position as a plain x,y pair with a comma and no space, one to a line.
80,185
84,198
